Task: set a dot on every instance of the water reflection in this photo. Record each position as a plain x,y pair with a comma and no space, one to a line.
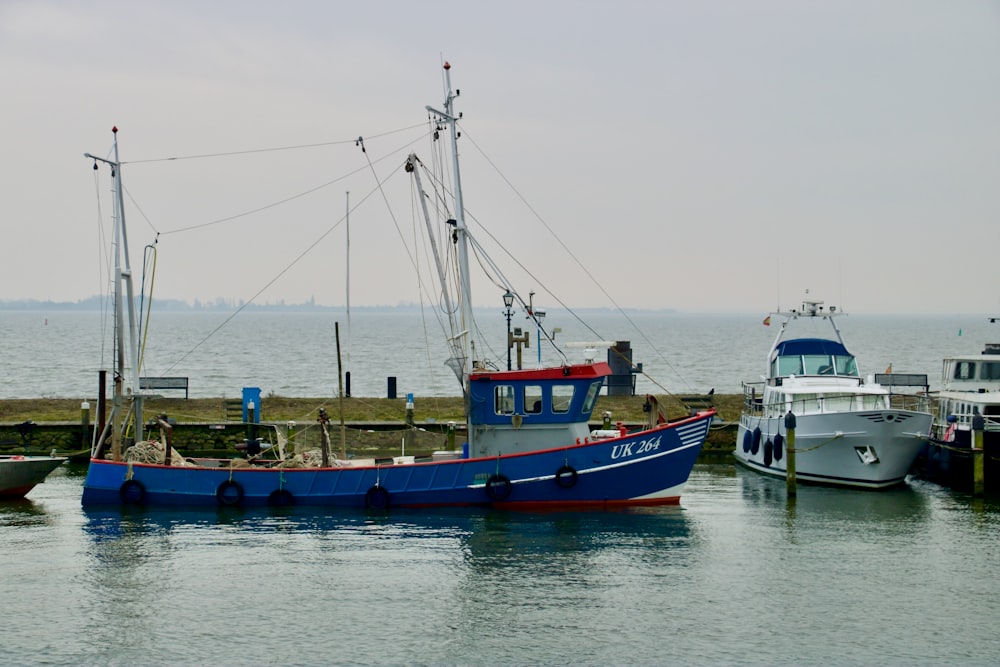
481,532
23,512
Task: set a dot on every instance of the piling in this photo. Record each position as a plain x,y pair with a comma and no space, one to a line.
790,483
291,438
978,468
84,425
451,436
408,434
253,446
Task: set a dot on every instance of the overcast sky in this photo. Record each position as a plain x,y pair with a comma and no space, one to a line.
703,156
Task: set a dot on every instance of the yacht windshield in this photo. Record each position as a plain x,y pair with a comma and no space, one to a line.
816,364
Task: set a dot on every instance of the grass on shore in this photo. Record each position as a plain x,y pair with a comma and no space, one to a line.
355,410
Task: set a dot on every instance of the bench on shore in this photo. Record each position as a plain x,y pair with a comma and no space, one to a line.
164,383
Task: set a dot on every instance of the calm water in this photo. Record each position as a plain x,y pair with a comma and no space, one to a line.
59,353
735,575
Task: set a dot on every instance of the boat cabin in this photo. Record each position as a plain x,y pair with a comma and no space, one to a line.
970,386
812,356
513,411
972,373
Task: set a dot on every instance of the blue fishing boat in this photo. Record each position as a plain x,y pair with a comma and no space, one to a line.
529,446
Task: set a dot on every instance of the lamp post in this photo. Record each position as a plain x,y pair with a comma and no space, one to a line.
508,301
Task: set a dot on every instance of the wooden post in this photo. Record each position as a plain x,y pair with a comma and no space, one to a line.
340,381
84,424
790,483
166,431
290,437
451,436
324,433
408,435
978,472
253,449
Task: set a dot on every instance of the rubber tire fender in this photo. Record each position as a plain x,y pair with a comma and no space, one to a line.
132,492
377,498
229,493
281,498
498,487
566,477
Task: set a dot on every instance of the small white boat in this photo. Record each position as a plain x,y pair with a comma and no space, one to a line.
20,474
848,432
969,398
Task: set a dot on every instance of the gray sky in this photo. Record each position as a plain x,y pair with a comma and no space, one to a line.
705,156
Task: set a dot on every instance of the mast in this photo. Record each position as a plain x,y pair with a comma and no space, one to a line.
347,281
123,275
461,238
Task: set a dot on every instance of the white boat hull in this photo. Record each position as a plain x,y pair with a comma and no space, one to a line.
20,474
871,449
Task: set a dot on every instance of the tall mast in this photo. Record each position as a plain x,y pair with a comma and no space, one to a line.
347,265
465,298
123,274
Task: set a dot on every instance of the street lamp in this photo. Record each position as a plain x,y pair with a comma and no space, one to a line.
508,301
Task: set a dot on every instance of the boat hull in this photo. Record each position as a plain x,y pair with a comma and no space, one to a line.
871,449
20,474
645,468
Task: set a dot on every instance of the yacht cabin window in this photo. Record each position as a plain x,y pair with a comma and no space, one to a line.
989,370
965,370
815,364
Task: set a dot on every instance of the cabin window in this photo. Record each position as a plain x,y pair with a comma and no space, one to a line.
846,365
562,397
989,370
807,403
839,403
818,364
503,399
965,370
592,394
791,365
532,399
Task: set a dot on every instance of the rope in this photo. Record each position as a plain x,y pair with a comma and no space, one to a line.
822,444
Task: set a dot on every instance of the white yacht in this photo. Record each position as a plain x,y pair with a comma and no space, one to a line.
969,398
848,431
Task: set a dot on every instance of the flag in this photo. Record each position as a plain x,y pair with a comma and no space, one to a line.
767,321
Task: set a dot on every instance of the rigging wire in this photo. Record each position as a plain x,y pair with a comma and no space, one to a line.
575,259
268,150
281,273
104,261
294,196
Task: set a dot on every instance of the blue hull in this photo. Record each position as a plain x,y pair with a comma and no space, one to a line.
644,468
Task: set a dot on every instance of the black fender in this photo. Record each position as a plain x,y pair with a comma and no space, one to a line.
377,498
229,493
132,492
566,476
498,487
281,498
